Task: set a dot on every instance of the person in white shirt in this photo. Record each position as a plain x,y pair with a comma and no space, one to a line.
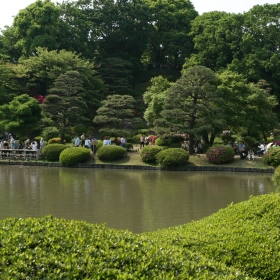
261,150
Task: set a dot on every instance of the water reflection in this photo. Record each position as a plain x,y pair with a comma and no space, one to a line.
123,199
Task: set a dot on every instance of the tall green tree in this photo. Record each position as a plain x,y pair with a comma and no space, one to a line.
38,73
154,98
65,103
192,106
248,106
169,42
117,115
216,36
38,25
20,116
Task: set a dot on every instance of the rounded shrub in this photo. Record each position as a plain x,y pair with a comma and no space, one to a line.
50,132
111,152
74,155
162,142
148,153
172,157
52,152
220,154
99,144
55,141
272,157
129,146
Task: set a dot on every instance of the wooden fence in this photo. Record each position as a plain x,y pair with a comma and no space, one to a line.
24,154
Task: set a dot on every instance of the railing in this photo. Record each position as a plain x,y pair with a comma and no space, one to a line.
24,154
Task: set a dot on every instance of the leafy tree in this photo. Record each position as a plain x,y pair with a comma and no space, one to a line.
192,105
248,106
258,56
216,36
39,24
21,115
65,104
169,42
154,98
116,114
38,73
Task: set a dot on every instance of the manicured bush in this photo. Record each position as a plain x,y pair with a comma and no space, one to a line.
129,146
148,153
220,154
172,157
55,141
99,144
244,236
50,132
50,248
111,152
272,157
162,142
74,155
52,152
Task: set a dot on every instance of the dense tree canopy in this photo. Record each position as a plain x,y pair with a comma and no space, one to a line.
65,104
20,116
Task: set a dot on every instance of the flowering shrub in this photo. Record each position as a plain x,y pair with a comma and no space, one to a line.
172,157
148,153
272,157
220,154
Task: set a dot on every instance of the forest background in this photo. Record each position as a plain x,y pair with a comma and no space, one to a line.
127,67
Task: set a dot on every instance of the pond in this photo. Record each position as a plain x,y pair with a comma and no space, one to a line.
139,201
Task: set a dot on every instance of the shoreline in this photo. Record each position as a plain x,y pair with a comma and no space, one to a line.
141,167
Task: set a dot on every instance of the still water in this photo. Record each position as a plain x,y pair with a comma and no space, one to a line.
139,201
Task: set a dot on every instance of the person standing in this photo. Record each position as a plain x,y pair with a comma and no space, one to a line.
93,145
261,150
87,143
142,141
123,142
77,141
83,140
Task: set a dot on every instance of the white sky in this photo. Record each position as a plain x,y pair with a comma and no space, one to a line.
10,8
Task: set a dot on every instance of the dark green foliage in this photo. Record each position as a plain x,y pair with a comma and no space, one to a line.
99,144
50,132
74,155
148,153
111,152
55,141
220,154
67,138
49,248
129,146
162,141
272,157
52,152
172,157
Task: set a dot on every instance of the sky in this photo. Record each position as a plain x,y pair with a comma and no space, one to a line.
11,8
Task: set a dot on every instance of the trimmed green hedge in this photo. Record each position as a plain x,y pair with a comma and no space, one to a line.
220,154
148,153
55,141
245,236
172,157
111,152
52,151
74,155
49,248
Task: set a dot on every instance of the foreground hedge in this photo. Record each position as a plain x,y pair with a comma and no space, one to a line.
74,155
48,248
52,151
245,236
